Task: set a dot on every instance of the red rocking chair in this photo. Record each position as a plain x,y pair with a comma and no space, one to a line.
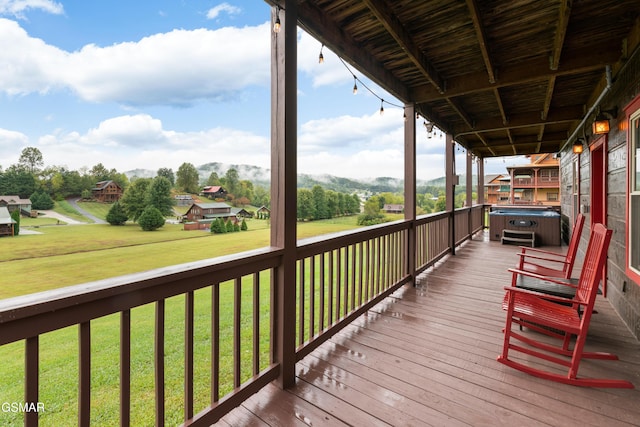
556,264
560,318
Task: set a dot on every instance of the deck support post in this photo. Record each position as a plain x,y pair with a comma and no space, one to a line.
480,187
450,182
469,191
284,118
410,187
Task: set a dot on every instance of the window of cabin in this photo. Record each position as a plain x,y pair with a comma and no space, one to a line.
634,193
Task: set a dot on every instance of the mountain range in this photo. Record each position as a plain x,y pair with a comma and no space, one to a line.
262,176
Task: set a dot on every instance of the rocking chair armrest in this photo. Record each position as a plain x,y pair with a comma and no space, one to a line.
542,295
526,249
557,280
561,261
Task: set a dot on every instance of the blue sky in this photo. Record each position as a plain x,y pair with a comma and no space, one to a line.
150,84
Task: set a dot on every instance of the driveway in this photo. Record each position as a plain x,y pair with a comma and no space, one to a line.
56,215
74,203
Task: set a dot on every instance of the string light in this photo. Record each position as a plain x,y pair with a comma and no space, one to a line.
429,127
277,25
321,56
355,89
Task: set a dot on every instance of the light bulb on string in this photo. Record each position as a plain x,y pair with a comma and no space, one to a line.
277,25
321,56
381,107
355,85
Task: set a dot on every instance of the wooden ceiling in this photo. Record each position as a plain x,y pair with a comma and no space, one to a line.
504,77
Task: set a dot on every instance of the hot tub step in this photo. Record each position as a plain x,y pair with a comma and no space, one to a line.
519,237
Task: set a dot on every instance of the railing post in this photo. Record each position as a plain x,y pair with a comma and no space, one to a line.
284,183
410,187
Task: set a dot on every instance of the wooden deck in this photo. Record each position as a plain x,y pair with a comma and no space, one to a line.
427,356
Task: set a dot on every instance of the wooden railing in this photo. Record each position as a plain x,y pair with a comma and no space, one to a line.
225,310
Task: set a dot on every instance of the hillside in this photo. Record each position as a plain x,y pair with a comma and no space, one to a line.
261,176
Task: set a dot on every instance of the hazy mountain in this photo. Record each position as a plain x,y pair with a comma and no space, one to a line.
262,176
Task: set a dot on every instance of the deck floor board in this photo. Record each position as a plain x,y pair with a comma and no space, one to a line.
427,356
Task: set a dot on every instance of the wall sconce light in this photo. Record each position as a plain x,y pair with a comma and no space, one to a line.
600,125
577,146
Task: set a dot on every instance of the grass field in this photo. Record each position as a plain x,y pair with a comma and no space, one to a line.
71,254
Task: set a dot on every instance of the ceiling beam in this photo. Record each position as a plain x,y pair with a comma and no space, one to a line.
527,72
561,32
393,26
482,38
564,115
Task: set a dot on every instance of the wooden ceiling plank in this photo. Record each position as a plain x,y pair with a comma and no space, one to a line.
404,40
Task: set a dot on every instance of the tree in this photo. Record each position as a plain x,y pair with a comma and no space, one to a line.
41,200
15,215
158,195
167,173
31,159
17,180
151,219
134,198
232,181
117,215
243,226
306,205
371,213
187,178
213,179
319,202
100,173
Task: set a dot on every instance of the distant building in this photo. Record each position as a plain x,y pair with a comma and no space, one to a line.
391,208
496,188
183,200
214,192
13,203
536,183
7,223
107,191
209,211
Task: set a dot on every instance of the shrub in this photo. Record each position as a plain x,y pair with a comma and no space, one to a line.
244,227
15,215
151,219
116,215
229,226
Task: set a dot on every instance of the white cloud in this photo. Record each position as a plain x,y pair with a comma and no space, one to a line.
214,12
18,7
9,138
175,68
140,141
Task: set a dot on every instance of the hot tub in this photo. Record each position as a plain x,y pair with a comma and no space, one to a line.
544,222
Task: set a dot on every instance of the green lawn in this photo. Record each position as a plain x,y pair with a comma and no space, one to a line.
72,254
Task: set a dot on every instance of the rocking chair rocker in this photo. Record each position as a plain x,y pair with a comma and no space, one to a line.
560,318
